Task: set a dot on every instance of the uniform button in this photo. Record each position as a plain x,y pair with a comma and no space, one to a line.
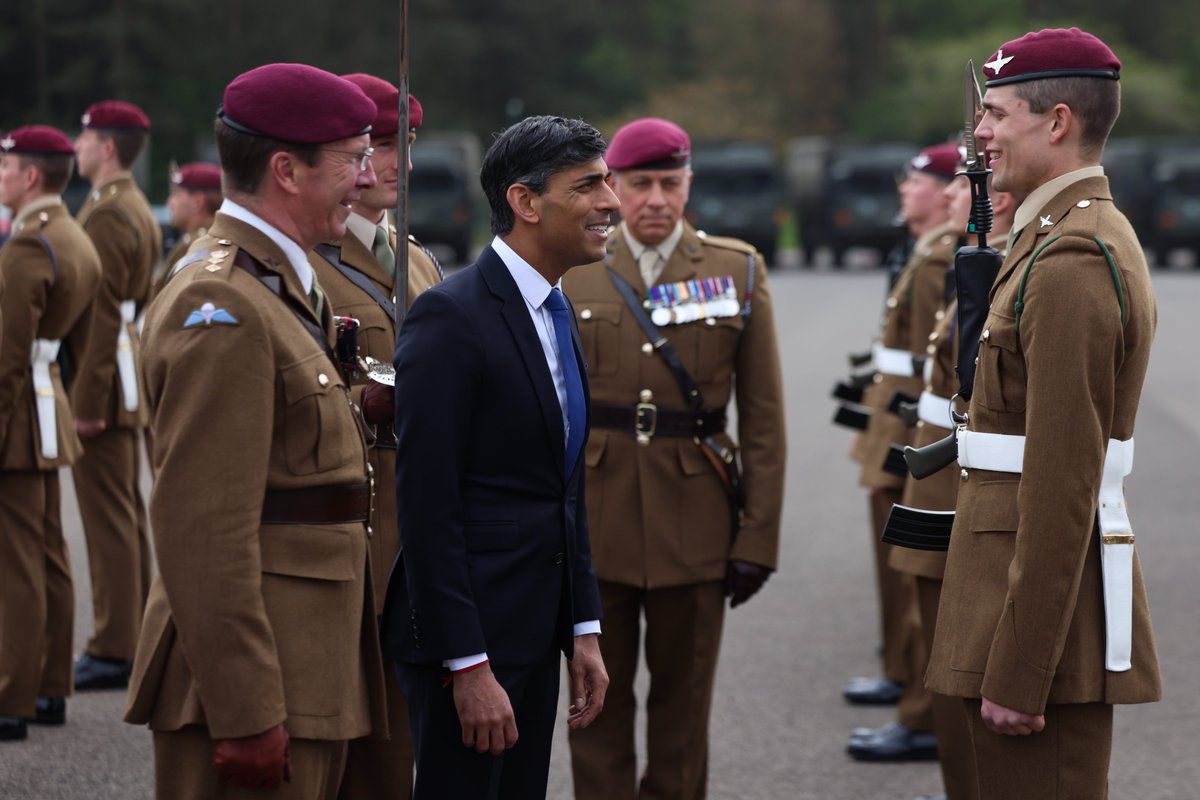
585,314
933,336
414,614
646,304
877,379
1084,203
44,217
931,350
710,322
976,360
224,242
892,302
648,349
940,315
323,379
559,559
987,334
645,396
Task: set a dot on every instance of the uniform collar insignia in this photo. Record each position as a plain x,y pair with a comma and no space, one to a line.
1045,221
207,315
999,63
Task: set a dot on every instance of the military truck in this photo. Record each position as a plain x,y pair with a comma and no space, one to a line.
738,190
1176,201
443,191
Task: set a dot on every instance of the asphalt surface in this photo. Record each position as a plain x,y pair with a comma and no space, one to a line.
779,725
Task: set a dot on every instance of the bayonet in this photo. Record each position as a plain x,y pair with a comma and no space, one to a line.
980,222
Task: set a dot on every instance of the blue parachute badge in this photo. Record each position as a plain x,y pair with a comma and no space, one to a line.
208,315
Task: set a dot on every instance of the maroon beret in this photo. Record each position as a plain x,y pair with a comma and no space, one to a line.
1051,53
940,160
115,115
198,176
37,140
649,143
296,103
387,103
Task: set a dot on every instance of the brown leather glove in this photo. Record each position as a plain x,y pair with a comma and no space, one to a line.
743,579
378,403
261,762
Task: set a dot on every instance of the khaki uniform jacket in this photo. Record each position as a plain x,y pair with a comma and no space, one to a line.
1021,619
658,514
909,317
249,625
122,226
377,339
51,273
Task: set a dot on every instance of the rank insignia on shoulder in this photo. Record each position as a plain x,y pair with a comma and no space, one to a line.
189,259
688,301
208,315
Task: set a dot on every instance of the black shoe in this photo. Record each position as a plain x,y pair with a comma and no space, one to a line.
894,742
93,672
50,711
12,729
873,691
864,733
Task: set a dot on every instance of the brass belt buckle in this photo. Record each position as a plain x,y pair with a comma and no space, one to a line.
645,422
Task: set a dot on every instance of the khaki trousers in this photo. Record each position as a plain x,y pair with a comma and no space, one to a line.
379,767
683,639
949,717
37,599
183,769
1068,760
897,593
114,525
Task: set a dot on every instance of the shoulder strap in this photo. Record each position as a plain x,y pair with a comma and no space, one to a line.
691,392
53,258
333,256
274,284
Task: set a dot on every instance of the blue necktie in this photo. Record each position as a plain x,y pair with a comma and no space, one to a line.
576,413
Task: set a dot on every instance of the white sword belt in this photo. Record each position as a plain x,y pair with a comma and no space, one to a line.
890,361
1002,453
935,410
125,367
42,356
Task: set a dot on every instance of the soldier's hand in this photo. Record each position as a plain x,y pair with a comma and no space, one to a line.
484,711
90,428
1010,722
378,403
589,682
259,762
743,579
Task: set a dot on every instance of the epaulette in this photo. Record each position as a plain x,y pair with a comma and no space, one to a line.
213,257
727,243
437,265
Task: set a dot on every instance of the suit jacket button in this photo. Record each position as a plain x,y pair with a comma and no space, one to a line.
559,559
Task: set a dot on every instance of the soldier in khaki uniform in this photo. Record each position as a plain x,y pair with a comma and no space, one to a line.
107,394
1043,621
193,202
50,272
358,275
259,655
909,317
662,538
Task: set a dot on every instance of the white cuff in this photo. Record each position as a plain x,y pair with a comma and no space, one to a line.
455,664
584,628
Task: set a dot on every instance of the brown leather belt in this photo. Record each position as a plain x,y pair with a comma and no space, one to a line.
646,420
317,505
385,436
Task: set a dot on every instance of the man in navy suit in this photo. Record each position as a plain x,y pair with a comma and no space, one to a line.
495,576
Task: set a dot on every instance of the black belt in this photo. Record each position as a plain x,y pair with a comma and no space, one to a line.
646,420
317,505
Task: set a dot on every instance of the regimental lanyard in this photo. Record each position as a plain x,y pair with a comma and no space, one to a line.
125,368
688,301
45,351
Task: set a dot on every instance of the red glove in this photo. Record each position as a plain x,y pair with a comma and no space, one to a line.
378,403
743,579
262,761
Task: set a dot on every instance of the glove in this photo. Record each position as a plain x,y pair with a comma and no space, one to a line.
378,403
261,762
743,579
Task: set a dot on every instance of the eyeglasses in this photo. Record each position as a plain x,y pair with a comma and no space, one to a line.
362,157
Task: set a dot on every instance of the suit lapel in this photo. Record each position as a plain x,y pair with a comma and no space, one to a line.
516,316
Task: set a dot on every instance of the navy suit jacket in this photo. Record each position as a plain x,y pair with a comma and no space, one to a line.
495,552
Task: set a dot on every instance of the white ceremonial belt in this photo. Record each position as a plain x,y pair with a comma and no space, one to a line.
890,361
935,410
125,367
927,370
43,355
1000,453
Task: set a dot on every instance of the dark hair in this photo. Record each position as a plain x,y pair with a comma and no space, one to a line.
530,153
129,144
244,157
1095,102
210,202
56,169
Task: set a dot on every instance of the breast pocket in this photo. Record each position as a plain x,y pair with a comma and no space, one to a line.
716,341
1000,377
599,330
318,429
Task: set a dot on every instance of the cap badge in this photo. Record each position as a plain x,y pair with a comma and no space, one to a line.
176,177
207,314
999,63
8,143
86,119
1046,221
681,154
921,161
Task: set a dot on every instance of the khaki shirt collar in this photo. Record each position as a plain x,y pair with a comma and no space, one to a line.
364,229
122,175
293,251
33,206
1027,212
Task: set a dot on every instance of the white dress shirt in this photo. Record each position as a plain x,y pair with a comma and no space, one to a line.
294,252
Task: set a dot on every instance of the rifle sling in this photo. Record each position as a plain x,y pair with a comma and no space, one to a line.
333,254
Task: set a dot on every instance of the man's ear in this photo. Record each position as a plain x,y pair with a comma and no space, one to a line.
281,170
1062,123
523,202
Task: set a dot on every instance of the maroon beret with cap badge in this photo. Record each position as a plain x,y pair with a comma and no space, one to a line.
296,103
37,140
1051,53
115,115
387,103
649,143
198,176
941,160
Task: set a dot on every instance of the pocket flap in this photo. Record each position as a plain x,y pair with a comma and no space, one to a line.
691,460
599,312
325,553
994,507
308,376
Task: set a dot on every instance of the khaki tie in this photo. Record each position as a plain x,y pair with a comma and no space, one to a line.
648,265
381,248
316,297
